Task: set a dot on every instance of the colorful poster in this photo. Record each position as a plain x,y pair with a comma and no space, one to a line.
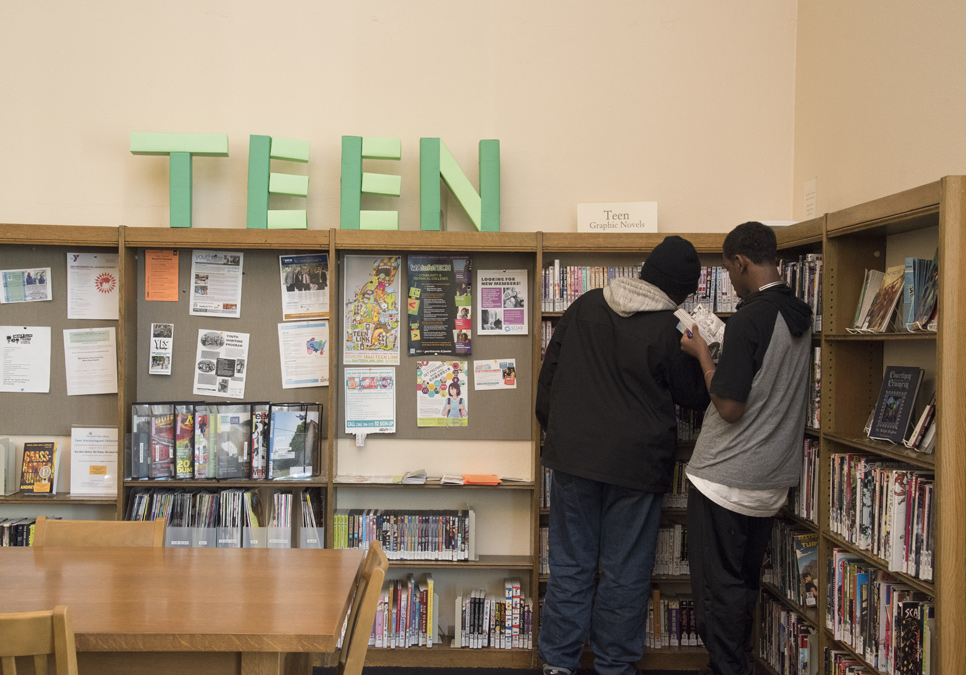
441,394
440,305
305,286
371,316
370,401
502,299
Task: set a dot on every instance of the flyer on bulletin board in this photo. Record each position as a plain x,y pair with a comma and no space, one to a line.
440,304
371,310
502,299
161,275
441,394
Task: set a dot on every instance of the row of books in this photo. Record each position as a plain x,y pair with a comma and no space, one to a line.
791,565
677,495
544,556
804,276
409,534
17,531
185,440
813,416
786,641
889,624
407,614
485,620
671,621
715,292
840,662
546,332
885,508
915,283
232,518
546,479
803,498
688,423
562,284
671,556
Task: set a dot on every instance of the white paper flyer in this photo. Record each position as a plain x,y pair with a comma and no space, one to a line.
25,359
221,364
370,401
90,359
216,283
93,461
303,349
92,286
162,348
305,286
495,374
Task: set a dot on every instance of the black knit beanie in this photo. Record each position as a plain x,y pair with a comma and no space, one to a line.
673,266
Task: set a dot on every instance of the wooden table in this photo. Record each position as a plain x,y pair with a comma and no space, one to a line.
187,610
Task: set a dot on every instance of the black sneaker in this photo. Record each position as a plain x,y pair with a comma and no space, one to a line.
552,670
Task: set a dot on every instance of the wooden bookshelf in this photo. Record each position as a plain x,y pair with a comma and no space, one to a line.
850,240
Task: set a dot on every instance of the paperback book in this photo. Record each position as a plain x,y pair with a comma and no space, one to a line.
711,327
37,475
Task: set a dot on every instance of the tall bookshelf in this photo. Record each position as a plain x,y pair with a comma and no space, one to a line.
875,235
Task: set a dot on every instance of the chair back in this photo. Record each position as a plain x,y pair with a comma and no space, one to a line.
363,611
36,635
77,533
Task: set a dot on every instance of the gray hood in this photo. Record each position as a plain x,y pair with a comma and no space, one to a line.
628,296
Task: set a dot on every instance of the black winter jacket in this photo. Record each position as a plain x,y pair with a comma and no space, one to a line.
608,385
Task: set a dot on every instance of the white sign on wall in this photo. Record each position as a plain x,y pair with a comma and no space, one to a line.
621,217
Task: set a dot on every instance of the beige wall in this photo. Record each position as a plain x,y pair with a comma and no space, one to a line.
689,103
880,102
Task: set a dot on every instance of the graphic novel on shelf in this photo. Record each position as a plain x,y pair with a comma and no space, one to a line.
894,407
37,474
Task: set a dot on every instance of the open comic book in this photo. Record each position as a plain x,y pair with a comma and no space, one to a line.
711,327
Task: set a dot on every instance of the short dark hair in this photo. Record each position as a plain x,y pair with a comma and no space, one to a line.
753,240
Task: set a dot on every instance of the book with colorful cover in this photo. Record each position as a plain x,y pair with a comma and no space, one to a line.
260,439
37,475
806,553
162,440
184,440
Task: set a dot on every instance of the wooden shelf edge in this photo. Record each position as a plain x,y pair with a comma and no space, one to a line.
440,656
498,562
899,453
58,499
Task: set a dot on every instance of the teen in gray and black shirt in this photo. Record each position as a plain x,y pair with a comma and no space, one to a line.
749,451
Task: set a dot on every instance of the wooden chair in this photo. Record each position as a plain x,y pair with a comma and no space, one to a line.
38,634
363,611
77,533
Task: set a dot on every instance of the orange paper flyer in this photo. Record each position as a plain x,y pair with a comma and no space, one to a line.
161,275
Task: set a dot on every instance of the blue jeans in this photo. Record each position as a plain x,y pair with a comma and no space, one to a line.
596,524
